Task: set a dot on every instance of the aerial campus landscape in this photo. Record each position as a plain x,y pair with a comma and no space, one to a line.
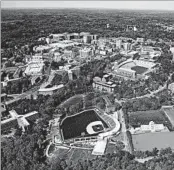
87,88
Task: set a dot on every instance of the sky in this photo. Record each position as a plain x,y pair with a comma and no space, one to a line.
151,5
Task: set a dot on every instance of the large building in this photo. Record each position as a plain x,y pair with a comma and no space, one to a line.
87,39
85,53
127,46
151,127
50,90
34,68
118,43
140,40
69,54
57,37
72,36
18,120
148,52
57,57
103,84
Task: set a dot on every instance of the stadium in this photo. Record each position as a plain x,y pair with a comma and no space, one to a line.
89,129
84,124
134,68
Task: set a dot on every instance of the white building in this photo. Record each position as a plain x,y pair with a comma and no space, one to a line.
118,43
171,87
86,52
34,68
57,57
40,48
141,40
127,46
151,127
103,52
172,50
36,59
50,90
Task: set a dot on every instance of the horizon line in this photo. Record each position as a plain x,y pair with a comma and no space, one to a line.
138,9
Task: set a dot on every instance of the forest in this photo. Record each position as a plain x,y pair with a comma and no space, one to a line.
32,24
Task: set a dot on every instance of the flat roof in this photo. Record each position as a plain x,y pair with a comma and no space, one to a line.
105,83
30,114
3,94
51,88
12,101
7,120
100,147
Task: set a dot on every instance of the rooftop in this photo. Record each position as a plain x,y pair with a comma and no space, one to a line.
51,88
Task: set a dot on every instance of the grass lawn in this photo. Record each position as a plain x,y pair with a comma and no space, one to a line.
144,117
72,101
170,113
72,127
148,141
139,69
80,154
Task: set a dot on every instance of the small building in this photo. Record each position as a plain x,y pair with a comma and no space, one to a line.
141,40
103,52
171,87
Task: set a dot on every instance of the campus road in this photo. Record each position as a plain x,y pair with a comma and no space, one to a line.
123,128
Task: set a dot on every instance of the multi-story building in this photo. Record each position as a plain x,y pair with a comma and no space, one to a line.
118,43
151,127
87,39
127,46
37,59
57,37
34,68
103,84
73,36
84,53
69,53
141,40
82,34
15,120
57,57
